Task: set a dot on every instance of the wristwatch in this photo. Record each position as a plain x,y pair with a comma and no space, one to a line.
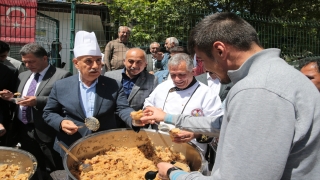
172,169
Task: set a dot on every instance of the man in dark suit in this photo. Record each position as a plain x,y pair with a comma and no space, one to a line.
35,85
87,95
8,81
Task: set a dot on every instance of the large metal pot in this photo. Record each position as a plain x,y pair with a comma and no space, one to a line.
18,157
89,146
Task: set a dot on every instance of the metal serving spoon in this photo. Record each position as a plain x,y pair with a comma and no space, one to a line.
92,123
84,167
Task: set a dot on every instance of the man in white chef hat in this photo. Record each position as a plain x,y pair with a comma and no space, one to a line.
85,95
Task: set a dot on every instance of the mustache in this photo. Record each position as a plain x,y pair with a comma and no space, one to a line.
132,68
92,70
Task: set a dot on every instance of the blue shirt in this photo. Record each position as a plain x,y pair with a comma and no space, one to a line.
162,75
128,83
163,64
88,95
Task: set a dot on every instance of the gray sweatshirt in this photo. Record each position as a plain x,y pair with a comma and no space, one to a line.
271,126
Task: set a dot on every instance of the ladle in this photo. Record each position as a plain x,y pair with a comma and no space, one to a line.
84,167
92,123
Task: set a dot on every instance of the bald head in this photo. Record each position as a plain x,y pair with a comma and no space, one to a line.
136,50
135,62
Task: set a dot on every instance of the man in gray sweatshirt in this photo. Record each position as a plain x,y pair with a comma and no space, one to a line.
271,126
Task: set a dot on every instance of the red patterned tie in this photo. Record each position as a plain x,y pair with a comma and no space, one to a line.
26,110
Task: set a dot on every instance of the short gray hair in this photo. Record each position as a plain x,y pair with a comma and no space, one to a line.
33,48
154,43
173,39
176,59
136,48
124,27
177,49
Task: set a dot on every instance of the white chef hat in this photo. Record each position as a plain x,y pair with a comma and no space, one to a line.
86,44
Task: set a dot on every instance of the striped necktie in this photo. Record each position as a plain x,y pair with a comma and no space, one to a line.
26,110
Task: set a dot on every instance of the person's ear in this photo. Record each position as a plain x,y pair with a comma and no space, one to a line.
76,63
193,70
219,49
45,58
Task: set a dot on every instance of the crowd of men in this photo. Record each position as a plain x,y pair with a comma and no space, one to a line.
266,113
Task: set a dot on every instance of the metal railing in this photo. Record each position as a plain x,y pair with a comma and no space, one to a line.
296,39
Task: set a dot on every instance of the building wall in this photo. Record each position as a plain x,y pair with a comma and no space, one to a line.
84,22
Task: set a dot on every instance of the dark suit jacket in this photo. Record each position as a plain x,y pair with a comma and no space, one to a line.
143,87
8,80
64,103
224,88
43,130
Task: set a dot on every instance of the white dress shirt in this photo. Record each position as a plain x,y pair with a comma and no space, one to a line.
214,84
197,100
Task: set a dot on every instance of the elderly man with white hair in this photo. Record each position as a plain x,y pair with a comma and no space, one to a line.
85,95
183,94
170,43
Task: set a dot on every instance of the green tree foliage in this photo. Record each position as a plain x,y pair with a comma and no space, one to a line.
283,24
155,20
288,9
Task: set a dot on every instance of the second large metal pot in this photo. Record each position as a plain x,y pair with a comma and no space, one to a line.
25,160
89,146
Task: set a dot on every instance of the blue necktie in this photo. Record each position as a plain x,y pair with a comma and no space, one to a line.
26,110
